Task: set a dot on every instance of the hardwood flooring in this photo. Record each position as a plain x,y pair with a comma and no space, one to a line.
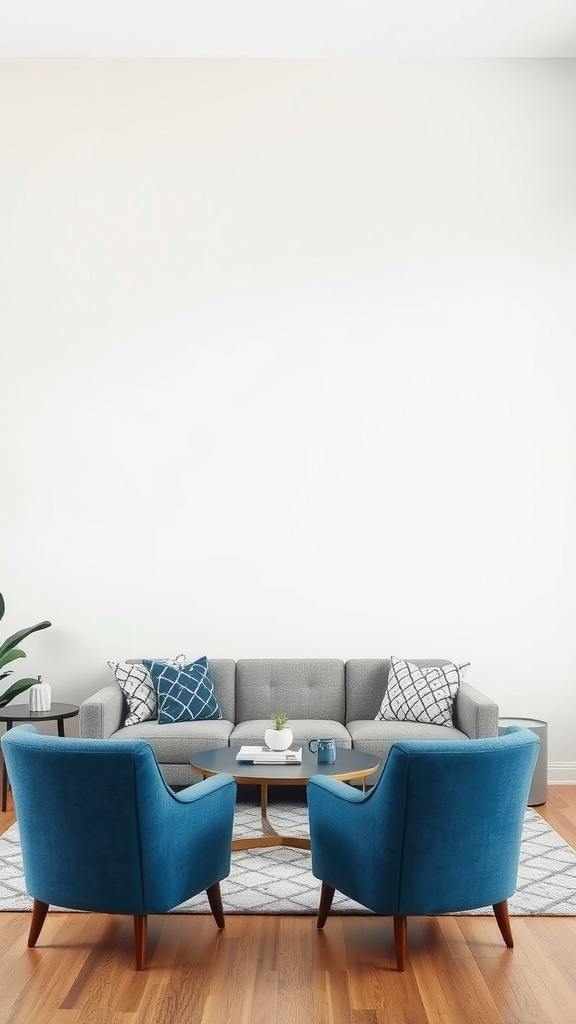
281,970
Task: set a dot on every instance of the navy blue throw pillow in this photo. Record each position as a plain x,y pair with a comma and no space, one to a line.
185,693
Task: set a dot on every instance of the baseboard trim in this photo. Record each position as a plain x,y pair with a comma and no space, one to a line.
562,771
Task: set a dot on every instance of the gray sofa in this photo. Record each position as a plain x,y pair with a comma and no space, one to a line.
322,697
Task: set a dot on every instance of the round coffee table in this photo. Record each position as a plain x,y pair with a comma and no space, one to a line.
349,765
21,713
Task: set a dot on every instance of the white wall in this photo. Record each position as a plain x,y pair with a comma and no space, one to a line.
288,363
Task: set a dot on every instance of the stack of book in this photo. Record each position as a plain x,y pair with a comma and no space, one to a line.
264,755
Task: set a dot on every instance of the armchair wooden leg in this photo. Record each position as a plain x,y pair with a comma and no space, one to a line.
215,900
400,929
39,911
503,919
140,935
326,897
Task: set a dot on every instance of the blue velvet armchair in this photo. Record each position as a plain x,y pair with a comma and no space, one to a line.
440,831
101,831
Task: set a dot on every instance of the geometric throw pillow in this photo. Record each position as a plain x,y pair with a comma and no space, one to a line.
136,685
185,693
138,689
421,694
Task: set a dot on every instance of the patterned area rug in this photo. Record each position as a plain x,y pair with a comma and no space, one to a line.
279,880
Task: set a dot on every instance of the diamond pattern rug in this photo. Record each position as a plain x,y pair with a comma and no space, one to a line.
278,880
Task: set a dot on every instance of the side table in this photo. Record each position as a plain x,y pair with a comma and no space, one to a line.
539,787
15,713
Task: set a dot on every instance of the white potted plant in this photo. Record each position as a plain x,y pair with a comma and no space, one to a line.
280,736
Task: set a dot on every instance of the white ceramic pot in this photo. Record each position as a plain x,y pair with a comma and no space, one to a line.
278,739
40,697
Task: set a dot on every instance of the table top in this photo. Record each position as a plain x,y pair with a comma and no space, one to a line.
349,764
526,723
22,713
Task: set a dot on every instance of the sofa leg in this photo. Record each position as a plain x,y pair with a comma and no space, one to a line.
326,897
400,930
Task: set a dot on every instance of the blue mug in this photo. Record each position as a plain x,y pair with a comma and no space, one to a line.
325,750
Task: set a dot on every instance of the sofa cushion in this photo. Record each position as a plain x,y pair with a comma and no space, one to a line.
424,695
186,693
376,738
175,743
301,687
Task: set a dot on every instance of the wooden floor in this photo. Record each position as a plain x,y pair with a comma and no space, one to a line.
281,970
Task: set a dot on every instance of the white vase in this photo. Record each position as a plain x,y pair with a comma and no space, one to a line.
40,697
278,739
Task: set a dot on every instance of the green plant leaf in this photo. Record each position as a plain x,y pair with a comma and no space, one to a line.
18,687
2,607
15,639
279,720
5,659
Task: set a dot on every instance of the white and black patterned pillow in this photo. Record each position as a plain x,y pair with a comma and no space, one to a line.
136,684
424,695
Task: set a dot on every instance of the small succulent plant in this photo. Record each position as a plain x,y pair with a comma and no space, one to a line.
279,721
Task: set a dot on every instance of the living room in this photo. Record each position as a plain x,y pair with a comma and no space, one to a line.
290,370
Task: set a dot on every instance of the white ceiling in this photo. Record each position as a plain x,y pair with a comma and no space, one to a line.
287,28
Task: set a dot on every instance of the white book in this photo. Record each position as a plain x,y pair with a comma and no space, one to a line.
264,755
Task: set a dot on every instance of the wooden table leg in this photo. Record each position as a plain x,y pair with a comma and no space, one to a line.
4,784
5,775
270,836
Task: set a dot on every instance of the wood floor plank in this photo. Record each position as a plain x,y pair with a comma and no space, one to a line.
339,997
543,973
428,969
322,997
467,993
454,938
375,984
329,945
233,977
514,987
265,996
55,964
298,938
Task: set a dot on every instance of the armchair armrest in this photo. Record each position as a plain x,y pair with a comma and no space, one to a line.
102,714
187,839
338,819
354,837
200,790
335,788
474,713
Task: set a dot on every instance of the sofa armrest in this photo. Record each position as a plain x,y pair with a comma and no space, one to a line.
474,713
102,713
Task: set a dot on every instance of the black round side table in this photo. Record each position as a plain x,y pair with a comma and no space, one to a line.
15,713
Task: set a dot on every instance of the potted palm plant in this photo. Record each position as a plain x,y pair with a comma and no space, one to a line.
9,652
